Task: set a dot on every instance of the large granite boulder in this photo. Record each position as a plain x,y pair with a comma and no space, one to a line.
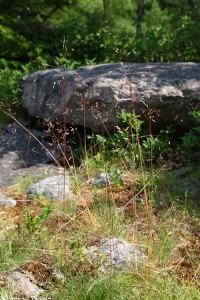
92,96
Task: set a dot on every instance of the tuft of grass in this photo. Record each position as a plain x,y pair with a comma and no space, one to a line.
26,181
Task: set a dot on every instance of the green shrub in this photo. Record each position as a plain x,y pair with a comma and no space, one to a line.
125,145
10,90
190,140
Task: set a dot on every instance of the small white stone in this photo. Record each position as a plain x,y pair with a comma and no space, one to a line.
7,201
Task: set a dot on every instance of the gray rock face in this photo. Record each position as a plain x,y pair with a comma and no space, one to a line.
54,187
116,253
7,201
92,96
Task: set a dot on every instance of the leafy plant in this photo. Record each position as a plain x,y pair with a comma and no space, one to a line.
190,140
10,90
32,223
123,144
5,295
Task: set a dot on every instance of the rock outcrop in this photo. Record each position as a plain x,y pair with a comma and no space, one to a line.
161,93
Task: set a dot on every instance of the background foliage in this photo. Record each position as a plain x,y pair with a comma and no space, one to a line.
69,33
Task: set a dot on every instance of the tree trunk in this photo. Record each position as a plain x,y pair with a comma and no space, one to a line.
105,4
193,8
140,12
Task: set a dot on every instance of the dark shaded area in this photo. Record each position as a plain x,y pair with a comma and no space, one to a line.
22,154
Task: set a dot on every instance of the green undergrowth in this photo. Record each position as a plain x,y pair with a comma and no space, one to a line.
146,201
131,286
